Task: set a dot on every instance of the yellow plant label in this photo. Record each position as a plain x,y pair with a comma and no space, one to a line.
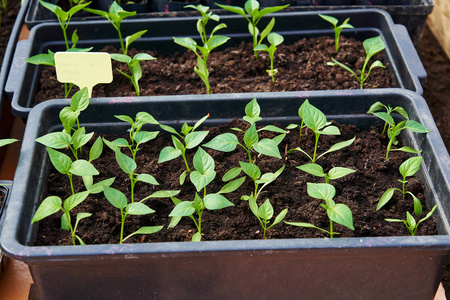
84,69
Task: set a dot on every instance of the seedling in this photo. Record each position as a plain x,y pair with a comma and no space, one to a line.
264,213
372,47
377,106
274,39
337,29
408,168
204,173
316,120
53,204
187,139
227,142
209,44
137,138
300,114
334,173
339,213
119,200
64,17
115,15
411,223
395,129
252,8
5,142
134,65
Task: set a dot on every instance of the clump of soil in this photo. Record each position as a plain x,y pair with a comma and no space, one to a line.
360,191
302,66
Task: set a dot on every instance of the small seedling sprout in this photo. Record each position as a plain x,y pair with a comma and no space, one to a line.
264,213
316,120
203,174
372,47
53,204
407,169
274,39
339,213
187,139
393,130
227,142
337,29
252,8
209,44
411,223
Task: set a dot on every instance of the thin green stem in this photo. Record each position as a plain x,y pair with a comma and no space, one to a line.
71,183
315,147
185,161
331,229
122,226
72,232
121,41
389,148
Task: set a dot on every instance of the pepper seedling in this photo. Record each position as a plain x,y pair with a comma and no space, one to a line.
189,139
334,173
275,40
337,212
252,8
395,129
316,120
337,29
411,223
264,213
137,138
407,169
227,142
119,200
209,44
377,106
203,174
302,125
53,204
372,47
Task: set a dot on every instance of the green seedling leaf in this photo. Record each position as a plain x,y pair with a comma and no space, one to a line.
339,172
147,179
48,207
232,186
341,214
226,142
4,142
60,161
168,153
385,198
251,137
74,200
127,164
145,230
82,167
96,149
373,46
252,111
183,209
415,126
115,197
197,237
267,147
407,150
338,146
280,217
138,209
216,201
231,174
410,166
55,140
143,137
265,211
321,191
313,169
251,170
194,139
100,186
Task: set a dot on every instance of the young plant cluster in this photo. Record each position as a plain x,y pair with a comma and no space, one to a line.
202,171
203,46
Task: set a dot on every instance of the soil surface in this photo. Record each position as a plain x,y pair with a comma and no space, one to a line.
360,191
7,23
436,92
302,66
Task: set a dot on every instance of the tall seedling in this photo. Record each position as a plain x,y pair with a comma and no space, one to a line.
252,8
337,29
372,47
209,44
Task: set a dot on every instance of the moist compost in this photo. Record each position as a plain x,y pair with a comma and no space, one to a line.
302,66
360,191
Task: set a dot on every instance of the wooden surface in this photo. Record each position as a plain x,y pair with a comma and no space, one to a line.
439,23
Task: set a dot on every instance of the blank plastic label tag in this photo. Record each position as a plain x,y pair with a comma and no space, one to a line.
84,69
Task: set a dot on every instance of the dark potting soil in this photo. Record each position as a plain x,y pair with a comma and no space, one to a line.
7,23
302,66
360,191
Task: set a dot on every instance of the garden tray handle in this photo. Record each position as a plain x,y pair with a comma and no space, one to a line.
410,55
